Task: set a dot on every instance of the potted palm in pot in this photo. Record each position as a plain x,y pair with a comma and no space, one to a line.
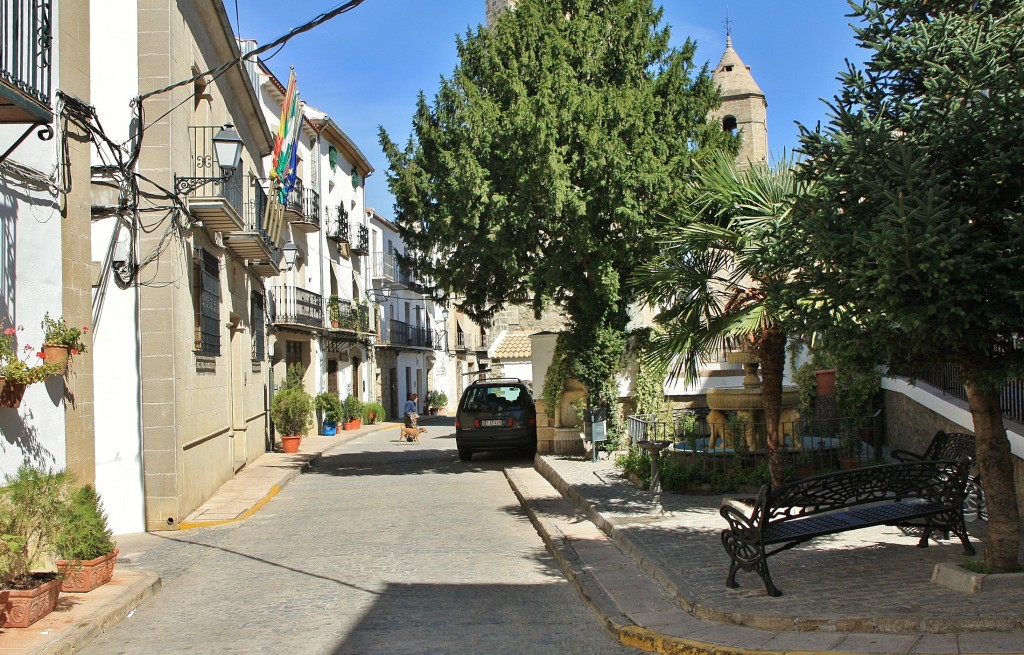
330,409
84,545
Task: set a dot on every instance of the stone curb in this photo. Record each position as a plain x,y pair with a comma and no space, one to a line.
103,617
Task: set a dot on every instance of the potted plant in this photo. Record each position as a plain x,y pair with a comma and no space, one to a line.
84,545
330,409
61,341
374,413
292,410
437,401
16,373
29,502
353,413
334,311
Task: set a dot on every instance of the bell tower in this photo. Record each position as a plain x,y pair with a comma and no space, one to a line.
495,7
744,107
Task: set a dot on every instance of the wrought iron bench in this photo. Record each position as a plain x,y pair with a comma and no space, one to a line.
925,494
954,445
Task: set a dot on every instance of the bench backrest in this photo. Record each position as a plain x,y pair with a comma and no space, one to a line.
951,445
940,481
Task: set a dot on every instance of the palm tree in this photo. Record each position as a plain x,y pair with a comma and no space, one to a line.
720,274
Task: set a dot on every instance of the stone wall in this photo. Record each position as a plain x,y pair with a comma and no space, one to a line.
520,319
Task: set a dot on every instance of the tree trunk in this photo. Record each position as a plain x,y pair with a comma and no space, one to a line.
995,464
771,349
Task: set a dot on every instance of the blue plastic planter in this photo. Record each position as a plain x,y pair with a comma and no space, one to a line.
330,429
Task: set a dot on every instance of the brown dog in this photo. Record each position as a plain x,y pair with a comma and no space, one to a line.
412,435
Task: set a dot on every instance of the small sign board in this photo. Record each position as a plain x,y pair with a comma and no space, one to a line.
598,431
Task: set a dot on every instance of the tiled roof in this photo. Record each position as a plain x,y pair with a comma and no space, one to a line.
514,346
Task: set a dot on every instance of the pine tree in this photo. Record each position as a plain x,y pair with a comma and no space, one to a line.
915,239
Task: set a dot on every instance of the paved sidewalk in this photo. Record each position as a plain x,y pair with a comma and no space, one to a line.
869,591
652,567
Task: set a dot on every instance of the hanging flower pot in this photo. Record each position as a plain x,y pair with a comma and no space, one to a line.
12,394
57,355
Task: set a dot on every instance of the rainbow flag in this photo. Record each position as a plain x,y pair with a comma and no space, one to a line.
286,142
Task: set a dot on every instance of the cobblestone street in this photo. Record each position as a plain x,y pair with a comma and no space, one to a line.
380,548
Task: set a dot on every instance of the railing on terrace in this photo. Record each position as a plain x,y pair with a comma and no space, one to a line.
205,164
948,379
359,238
25,49
296,306
808,445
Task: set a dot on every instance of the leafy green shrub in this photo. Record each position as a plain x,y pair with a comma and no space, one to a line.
292,411
84,533
437,398
30,502
352,409
374,412
329,405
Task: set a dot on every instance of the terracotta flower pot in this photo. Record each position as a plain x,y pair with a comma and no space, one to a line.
826,379
290,442
82,577
354,424
57,355
11,394
21,608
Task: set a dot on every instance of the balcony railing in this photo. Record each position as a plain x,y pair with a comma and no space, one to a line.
383,267
349,317
400,333
359,238
296,306
469,341
204,164
310,219
25,57
336,220
295,202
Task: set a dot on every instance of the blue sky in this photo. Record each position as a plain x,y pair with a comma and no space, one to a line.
365,68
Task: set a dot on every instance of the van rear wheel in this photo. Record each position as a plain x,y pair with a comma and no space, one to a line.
465,455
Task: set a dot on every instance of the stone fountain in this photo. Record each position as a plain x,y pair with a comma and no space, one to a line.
746,402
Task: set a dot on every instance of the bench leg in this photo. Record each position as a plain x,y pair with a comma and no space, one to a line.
747,557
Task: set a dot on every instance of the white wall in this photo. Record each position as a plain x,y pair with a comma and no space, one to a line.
115,327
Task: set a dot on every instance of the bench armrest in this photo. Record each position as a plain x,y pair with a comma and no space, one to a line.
905,456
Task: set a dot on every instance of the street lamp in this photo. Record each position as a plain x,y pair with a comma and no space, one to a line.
444,317
289,250
227,147
380,295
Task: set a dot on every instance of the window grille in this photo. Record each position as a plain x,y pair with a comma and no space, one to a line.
259,335
207,296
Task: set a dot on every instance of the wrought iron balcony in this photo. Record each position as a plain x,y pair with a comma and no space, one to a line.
336,219
310,219
401,334
25,61
218,203
295,204
466,341
253,241
359,238
344,315
296,307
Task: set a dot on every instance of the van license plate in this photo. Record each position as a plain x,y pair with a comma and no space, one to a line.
492,423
